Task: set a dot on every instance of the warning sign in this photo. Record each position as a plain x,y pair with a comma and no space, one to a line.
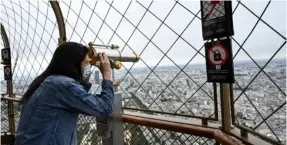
216,19
217,55
219,62
6,56
7,72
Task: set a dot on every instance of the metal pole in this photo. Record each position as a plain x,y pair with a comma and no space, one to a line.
115,124
11,109
9,87
114,79
215,100
225,106
111,129
231,103
60,20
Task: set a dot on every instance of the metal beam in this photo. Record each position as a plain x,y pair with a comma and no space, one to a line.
60,20
9,86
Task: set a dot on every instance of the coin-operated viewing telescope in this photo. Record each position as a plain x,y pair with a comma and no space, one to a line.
116,57
111,128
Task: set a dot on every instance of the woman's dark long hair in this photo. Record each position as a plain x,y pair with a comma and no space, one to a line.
66,61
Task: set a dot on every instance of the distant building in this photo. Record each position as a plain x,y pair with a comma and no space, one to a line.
97,77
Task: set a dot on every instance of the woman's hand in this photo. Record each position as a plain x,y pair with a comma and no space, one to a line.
105,66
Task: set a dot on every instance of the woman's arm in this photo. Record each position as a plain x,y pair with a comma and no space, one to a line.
78,99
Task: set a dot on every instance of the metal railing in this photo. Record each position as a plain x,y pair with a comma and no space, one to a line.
139,130
32,30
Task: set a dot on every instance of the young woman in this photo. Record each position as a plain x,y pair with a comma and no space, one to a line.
54,100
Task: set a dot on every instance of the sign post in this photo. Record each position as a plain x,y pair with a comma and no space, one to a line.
111,128
6,61
217,23
219,62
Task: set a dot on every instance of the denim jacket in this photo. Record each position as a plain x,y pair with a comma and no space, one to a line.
50,116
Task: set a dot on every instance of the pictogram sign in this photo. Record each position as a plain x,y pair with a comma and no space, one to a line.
216,19
6,56
217,55
7,72
219,62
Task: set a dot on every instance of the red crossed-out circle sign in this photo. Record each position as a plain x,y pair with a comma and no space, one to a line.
217,55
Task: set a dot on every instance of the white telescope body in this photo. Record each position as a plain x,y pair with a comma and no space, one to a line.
116,55
113,54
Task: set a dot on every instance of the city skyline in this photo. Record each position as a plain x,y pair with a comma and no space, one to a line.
258,47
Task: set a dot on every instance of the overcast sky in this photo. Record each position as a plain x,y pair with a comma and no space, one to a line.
262,43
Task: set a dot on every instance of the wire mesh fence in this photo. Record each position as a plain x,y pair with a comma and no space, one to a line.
5,116
259,89
133,134
87,133
32,32
137,135
171,75
152,89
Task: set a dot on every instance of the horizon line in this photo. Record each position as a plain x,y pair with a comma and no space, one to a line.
203,63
